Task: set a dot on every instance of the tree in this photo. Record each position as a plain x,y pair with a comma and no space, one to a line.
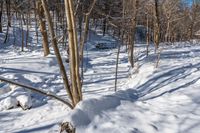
156,24
135,4
85,35
56,50
74,53
1,13
43,28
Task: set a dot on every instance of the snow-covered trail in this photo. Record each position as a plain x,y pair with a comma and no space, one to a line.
99,78
42,72
154,100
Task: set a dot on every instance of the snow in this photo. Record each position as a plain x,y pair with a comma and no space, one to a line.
148,100
24,101
9,103
163,99
4,88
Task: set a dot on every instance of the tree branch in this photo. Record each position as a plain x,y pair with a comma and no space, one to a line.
40,91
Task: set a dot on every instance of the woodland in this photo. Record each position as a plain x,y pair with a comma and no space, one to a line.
93,66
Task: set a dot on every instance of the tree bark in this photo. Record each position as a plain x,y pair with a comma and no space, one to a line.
132,32
43,28
27,28
156,26
1,13
85,35
22,34
147,36
56,50
74,54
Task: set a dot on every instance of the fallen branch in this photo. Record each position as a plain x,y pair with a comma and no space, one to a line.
40,91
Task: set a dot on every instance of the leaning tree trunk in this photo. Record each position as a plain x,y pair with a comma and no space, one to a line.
56,50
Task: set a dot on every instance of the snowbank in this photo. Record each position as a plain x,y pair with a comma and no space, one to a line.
16,96
87,110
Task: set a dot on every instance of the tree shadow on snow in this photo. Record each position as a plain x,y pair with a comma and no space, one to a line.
37,129
166,78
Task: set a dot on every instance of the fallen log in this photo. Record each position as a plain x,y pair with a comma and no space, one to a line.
40,91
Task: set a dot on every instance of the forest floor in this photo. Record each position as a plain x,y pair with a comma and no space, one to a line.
148,100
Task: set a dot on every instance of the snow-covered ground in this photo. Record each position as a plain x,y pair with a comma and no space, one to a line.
148,100
162,100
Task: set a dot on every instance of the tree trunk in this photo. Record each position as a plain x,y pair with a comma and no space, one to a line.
43,28
1,13
147,36
117,63
8,12
104,26
85,35
132,32
56,50
74,54
156,26
36,23
22,34
27,28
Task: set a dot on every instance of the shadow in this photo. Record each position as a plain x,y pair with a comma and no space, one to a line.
186,119
166,78
98,106
95,91
107,73
192,127
37,129
14,70
104,80
175,89
6,117
18,36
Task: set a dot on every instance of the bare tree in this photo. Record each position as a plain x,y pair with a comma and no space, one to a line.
43,28
1,13
156,24
56,50
74,54
85,35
